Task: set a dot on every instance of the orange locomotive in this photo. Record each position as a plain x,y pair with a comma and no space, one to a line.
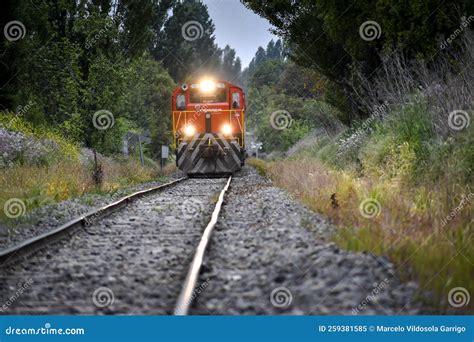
209,127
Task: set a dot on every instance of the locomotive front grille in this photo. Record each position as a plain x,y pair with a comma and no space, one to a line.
209,153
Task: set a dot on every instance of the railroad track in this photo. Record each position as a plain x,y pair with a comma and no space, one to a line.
186,296
21,261
29,246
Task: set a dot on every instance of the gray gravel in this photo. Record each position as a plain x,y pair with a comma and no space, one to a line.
271,255
268,255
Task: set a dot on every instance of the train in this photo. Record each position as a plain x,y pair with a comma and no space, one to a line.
208,118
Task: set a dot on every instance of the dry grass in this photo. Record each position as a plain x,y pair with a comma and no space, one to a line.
410,227
40,185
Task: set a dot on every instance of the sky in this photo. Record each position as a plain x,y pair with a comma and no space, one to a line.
239,27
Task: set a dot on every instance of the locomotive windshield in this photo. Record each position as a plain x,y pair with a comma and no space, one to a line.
218,95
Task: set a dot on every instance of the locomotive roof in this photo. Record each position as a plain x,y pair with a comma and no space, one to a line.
197,81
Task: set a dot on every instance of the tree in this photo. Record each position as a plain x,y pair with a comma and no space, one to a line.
74,60
142,21
328,36
147,101
230,65
274,51
186,46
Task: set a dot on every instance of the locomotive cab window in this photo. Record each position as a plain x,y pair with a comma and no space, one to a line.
218,95
180,102
235,100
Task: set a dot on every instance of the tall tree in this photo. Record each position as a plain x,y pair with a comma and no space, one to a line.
333,38
186,46
75,58
230,65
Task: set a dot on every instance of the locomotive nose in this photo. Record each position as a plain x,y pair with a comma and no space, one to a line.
212,149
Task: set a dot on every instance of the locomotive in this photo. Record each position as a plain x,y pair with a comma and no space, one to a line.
209,127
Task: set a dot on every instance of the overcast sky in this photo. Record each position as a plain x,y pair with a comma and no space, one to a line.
239,27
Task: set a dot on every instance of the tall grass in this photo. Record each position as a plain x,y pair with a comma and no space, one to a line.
411,227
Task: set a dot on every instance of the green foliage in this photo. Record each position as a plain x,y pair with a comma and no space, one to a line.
324,35
274,51
15,123
334,95
404,146
265,97
407,133
276,84
78,58
146,101
267,74
259,165
198,53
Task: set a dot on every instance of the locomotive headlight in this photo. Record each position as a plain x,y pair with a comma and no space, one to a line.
189,130
227,129
207,86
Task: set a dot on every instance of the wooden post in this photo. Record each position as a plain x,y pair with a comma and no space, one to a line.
141,152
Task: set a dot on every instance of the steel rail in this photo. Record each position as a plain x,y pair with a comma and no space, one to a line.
36,243
186,296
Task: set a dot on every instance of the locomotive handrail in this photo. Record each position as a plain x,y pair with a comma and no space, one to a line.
214,110
233,138
200,111
208,110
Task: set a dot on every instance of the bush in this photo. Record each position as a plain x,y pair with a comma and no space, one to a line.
21,143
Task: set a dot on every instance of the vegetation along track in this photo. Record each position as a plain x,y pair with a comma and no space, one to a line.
269,255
